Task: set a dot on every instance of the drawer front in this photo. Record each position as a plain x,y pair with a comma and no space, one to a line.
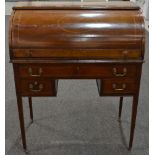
78,70
80,53
41,87
117,86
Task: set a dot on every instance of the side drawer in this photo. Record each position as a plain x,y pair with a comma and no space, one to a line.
115,86
78,70
38,87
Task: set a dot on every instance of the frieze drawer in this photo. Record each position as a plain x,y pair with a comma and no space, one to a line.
78,70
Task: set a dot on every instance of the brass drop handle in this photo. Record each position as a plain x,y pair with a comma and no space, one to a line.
115,72
35,87
119,89
31,72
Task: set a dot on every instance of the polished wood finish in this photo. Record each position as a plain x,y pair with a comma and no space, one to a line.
88,29
79,40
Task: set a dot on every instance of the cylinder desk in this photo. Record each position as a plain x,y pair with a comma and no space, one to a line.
49,41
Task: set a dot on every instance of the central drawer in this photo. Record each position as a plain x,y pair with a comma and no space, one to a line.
78,70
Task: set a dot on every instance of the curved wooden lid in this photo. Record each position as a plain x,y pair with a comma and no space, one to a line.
76,5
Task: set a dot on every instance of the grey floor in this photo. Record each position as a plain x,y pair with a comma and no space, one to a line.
77,121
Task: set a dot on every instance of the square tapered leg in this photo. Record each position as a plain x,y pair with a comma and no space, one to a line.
21,119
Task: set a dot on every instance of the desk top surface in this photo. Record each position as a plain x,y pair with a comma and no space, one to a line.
86,4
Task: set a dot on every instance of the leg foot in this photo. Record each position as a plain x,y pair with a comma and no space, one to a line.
26,151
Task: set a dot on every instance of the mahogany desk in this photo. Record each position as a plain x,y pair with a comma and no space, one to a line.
79,40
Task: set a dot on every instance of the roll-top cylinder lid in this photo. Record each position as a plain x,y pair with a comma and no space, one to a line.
76,25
